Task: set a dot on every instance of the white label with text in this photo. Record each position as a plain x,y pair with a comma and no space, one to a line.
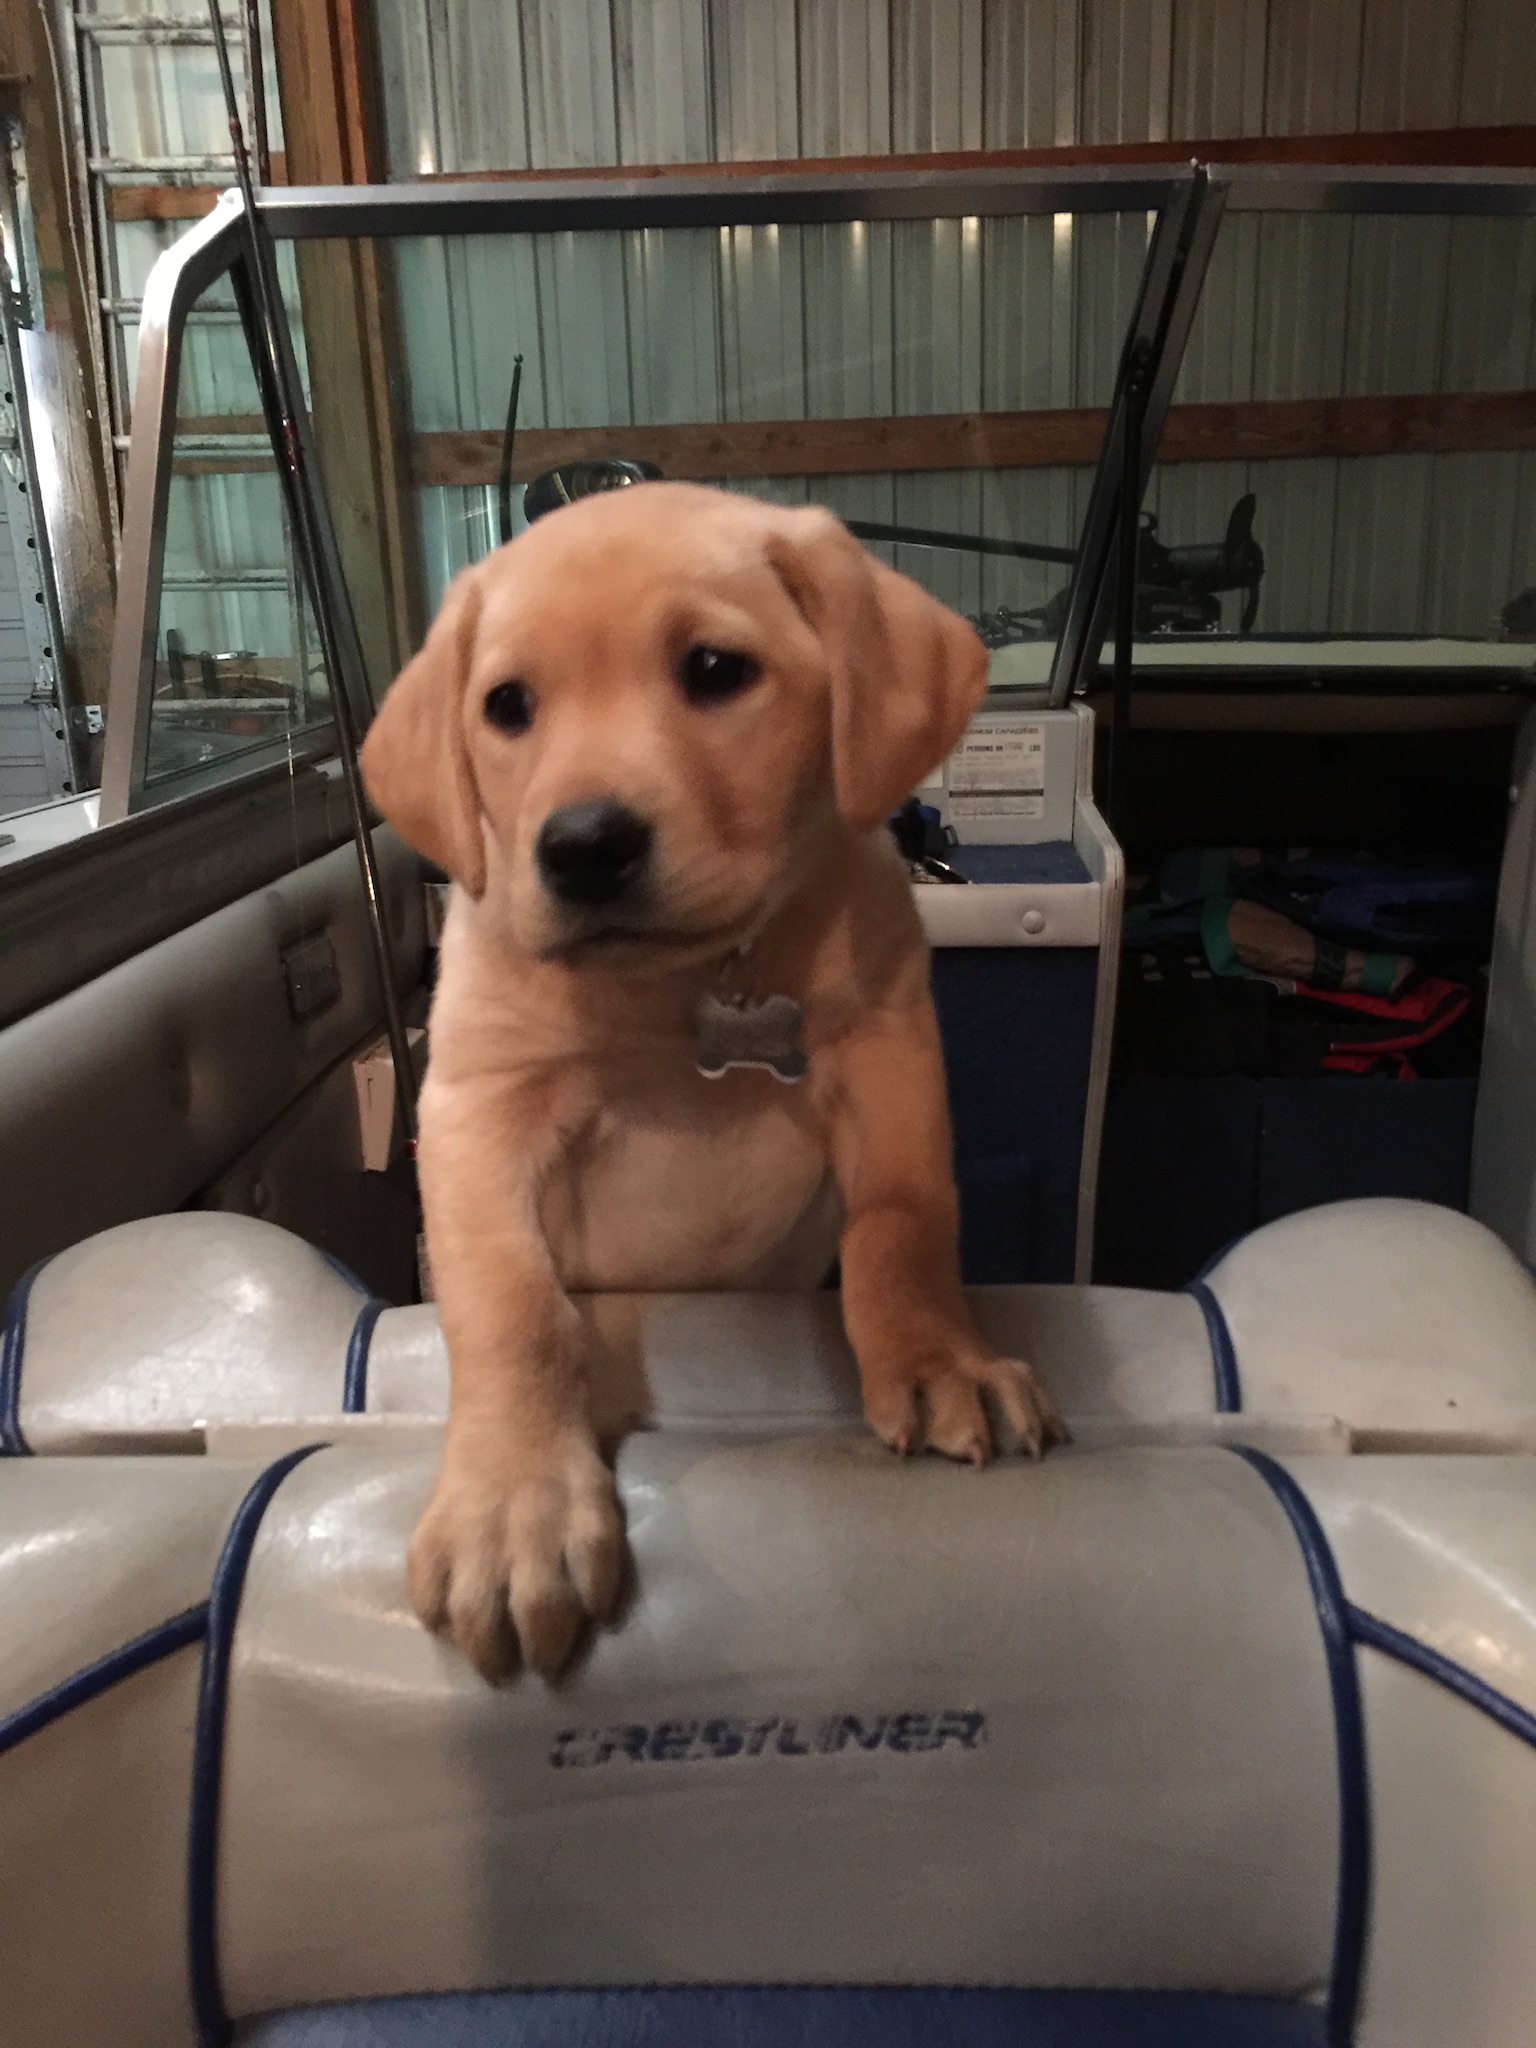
996,804
994,756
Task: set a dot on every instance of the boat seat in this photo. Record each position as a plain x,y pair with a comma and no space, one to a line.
1130,1748
1197,1732
1369,1324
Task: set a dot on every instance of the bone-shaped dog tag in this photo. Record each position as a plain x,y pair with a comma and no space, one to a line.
739,1033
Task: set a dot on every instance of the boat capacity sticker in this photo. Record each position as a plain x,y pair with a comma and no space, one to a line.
996,803
999,758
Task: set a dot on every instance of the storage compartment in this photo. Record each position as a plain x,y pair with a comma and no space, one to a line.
1304,974
1024,957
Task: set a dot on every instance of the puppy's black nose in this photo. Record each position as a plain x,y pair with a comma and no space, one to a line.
592,852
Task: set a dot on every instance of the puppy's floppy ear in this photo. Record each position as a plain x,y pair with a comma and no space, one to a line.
416,756
906,673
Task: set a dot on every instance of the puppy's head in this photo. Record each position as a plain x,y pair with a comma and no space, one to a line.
632,729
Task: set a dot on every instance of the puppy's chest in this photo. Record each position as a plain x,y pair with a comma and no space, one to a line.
682,1182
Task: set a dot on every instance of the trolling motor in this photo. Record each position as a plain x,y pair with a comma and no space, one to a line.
562,485
573,480
1178,589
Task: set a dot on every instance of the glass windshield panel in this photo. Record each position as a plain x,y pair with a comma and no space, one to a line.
237,663
945,377
1344,456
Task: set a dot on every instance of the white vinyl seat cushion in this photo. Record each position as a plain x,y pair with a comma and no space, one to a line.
1406,1320
1410,1326
98,1558
1441,1551
135,1338
1111,1722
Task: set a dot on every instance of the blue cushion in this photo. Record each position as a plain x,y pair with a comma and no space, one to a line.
796,2016
1047,860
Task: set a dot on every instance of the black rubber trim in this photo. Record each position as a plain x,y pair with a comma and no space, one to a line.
1333,1614
92,1680
213,2025
1229,1386
1456,1678
354,1386
13,1343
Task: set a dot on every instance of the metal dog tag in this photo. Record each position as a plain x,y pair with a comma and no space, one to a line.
734,1032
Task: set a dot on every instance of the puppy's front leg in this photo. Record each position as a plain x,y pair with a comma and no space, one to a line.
521,1539
923,1363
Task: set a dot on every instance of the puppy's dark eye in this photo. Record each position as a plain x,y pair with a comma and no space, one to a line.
509,707
711,674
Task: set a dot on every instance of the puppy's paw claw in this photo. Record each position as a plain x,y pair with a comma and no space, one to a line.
509,1561
944,1405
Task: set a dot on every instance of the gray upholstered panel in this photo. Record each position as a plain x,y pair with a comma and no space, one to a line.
782,1361
1097,1740
128,1094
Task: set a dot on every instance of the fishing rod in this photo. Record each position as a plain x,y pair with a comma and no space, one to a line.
504,472
284,410
964,543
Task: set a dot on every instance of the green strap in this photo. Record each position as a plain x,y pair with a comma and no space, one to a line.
1378,974
1215,870
1215,937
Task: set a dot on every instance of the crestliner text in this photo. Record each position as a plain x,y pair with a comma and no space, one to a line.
702,1740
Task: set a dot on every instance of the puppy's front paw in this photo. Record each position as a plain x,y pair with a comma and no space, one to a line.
936,1402
514,1554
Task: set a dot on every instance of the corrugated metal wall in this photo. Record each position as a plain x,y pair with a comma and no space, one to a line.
847,322
490,84
670,327
1310,306
785,323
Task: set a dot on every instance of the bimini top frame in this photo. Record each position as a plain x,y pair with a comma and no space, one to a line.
1188,203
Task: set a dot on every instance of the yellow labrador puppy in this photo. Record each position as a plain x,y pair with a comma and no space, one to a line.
682,1035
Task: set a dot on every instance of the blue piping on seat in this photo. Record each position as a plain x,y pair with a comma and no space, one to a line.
13,1342
807,2015
1333,1615
1380,1635
163,1640
213,2024
1229,1387
1216,1258
344,1272
354,1385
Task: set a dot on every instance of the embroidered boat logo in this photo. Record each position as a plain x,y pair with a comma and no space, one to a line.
702,1741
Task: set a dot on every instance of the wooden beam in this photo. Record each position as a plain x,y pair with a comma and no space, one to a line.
328,75
779,447
176,202
1507,147
1263,430
1482,148
1429,423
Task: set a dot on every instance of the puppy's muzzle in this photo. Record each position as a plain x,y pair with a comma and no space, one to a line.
590,853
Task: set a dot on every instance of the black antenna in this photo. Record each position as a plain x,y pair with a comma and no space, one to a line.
273,371
504,473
